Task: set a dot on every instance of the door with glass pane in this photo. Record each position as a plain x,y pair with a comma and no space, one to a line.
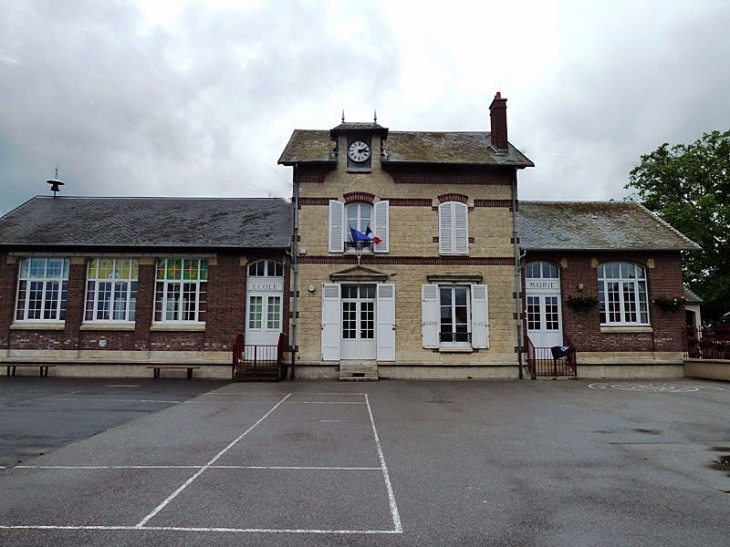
263,323
542,303
358,321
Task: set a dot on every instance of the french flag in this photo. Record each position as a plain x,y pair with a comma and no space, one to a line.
367,236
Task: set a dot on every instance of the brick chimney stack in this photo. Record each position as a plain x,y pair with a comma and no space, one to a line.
498,114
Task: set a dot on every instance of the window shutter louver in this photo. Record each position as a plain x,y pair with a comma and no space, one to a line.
330,322
461,228
385,322
445,228
336,227
430,316
479,316
382,226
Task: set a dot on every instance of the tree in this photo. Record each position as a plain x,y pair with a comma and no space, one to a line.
688,186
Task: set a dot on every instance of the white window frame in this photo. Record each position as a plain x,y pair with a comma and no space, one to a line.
626,284
166,288
339,240
266,268
45,272
123,281
477,303
453,228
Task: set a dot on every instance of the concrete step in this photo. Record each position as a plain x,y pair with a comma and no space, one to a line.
358,371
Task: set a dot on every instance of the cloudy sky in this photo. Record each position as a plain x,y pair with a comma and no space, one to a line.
198,98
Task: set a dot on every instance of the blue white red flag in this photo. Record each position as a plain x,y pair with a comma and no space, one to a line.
367,236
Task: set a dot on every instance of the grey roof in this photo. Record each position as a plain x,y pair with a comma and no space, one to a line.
691,297
433,147
197,223
605,225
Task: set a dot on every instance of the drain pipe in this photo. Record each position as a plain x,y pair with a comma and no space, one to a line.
295,272
518,276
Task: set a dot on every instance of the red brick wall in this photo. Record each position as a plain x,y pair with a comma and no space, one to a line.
584,328
226,295
7,298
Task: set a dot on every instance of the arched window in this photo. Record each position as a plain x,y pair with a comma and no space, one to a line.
622,294
265,268
541,270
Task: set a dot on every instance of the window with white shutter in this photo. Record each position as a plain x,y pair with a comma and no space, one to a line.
382,226
455,317
336,227
453,228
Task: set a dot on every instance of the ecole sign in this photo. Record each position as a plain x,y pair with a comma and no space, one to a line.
265,286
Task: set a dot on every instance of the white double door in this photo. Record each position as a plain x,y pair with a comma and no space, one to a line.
358,322
544,321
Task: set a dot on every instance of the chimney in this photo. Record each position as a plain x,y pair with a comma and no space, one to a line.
498,114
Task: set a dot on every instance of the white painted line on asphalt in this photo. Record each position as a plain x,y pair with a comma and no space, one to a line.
325,403
215,458
117,400
42,398
195,529
263,467
388,486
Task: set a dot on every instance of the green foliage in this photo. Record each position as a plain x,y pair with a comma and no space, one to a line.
689,187
670,304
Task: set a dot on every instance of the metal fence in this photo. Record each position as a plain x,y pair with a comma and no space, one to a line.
708,342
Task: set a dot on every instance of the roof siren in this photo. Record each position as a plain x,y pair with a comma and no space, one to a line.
55,183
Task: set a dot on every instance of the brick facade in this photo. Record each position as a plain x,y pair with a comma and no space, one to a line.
140,341
664,278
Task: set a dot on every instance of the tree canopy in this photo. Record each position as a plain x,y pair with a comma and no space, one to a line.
688,186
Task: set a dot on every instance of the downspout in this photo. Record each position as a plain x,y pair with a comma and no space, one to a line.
295,271
518,276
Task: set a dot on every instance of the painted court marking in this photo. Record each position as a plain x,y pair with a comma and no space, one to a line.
651,387
142,525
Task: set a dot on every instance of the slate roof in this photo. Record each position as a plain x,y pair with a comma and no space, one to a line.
403,147
192,223
604,225
691,296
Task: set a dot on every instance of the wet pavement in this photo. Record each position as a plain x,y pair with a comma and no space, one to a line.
176,462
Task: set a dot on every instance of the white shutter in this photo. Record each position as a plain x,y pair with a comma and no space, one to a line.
479,316
336,226
386,323
430,316
445,228
330,322
382,226
461,228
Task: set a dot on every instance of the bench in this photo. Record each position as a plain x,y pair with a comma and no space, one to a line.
173,367
43,368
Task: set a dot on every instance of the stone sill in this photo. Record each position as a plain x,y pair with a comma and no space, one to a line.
107,326
456,349
61,325
618,329
164,327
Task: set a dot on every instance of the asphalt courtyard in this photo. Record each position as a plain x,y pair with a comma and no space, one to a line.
488,463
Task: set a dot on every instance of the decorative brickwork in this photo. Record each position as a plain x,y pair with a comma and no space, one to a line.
359,196
376,261
493,203
409,202
461,198
314,201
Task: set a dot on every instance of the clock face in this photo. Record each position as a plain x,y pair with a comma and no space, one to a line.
358,151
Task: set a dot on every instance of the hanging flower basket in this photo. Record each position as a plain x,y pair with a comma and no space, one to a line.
669,304
581,303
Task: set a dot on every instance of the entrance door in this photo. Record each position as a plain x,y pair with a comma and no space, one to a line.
542,298
358,321
265,292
